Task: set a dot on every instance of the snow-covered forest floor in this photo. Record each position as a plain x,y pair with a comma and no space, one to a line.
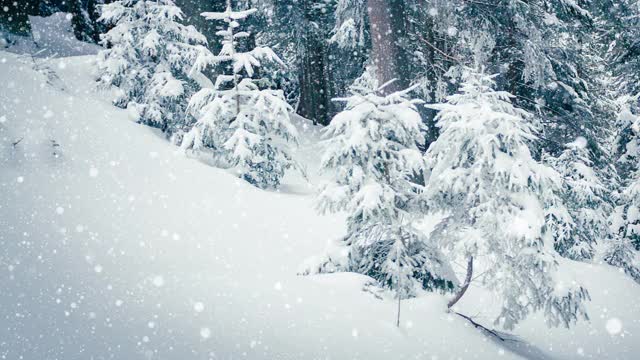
115,244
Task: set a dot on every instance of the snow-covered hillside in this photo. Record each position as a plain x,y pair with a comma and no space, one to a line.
115,245
123,246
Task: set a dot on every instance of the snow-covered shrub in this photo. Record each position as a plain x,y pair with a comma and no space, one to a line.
587,199
150,57
628,162
482,174
373,157
248,127
621,251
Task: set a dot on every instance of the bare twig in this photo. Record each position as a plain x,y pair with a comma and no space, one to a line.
491,332
15,143
438,50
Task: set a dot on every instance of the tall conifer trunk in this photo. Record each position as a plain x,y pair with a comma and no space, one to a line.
314,90
386,22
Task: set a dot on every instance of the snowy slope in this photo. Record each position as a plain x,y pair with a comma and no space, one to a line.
122,247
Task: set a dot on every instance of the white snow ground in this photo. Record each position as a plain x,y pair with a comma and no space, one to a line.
121,247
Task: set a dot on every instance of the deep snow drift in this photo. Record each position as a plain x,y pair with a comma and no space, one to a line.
115,245
52,36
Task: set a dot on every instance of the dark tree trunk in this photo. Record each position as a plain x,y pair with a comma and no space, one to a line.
313,78
193,9
81,23
430,114
93,10
513,55
313,94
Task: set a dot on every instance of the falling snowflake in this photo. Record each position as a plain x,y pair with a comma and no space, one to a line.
158,281
614,326
198,306
205,333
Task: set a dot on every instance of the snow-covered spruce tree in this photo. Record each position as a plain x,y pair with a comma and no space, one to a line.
623,23
316,69
547,58
94,9
247,126
588,200
625,220
373,156
481,173
627,142
619,23
83,28
150,57
620,252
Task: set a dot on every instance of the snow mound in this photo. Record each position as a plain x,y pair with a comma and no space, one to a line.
52,36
